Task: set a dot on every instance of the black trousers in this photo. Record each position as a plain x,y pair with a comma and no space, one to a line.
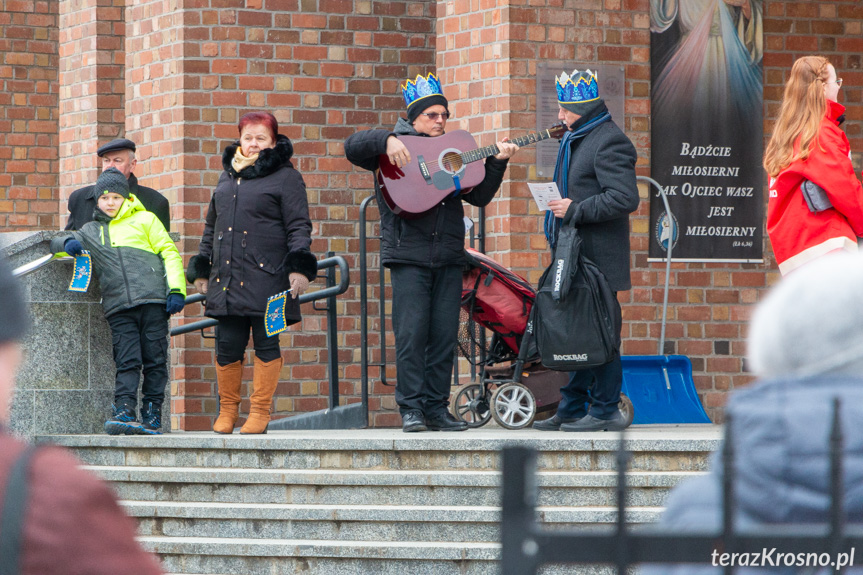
598,387
140,338
426,304
232,336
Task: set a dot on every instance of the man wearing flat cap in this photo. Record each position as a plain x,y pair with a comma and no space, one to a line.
120,154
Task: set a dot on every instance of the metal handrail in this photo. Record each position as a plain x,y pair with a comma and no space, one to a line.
38,264
331,262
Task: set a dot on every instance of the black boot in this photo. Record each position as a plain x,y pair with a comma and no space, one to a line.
151,418
445,422
123,420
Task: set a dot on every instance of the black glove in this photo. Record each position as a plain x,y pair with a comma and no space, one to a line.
176,302
73,247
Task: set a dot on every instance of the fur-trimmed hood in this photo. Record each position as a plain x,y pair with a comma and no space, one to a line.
269,160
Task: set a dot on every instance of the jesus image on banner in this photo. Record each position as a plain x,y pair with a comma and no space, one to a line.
707,94
716,66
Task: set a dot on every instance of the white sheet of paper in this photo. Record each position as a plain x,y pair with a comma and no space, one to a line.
544,192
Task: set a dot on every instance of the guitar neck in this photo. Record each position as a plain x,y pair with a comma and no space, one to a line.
482,153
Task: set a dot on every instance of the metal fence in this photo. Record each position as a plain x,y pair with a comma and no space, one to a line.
526,545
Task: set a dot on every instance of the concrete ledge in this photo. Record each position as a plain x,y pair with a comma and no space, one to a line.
350,477
382,513
696,438
438,550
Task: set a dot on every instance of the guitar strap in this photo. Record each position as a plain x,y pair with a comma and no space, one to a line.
12,514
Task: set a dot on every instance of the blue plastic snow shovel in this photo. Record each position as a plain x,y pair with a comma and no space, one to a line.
661,387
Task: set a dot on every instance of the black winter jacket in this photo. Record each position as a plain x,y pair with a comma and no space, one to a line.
603,191
82,203
436,238
257,232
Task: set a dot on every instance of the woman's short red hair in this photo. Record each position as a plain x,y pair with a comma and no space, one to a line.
262,118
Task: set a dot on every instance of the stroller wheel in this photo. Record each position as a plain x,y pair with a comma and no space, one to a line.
626,409
471,405
513,406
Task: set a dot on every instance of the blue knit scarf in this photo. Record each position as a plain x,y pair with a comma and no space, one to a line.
561,172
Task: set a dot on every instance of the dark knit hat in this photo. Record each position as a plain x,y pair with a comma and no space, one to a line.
14,319
420,106
112,180
113,145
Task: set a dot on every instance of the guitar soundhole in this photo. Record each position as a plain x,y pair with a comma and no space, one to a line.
452,162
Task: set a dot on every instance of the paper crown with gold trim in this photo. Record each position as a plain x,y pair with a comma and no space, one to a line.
577,88
421,88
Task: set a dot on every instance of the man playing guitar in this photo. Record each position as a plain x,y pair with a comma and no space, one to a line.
425,255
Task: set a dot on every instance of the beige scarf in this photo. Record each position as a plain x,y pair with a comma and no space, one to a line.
241,162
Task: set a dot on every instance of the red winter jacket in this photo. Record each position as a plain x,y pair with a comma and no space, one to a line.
797,235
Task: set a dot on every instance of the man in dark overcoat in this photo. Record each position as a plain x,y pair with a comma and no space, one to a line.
120,154
595,173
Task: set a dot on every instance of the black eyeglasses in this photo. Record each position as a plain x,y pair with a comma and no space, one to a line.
433,116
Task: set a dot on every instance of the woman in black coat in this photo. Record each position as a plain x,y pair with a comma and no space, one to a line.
255,245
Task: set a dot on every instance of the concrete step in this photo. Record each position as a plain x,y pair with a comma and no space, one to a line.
267,556
651,450
353,522
365,487
373,501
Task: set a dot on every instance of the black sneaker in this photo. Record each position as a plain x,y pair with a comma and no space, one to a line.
553,423
151,418
123,421
413,421
445,422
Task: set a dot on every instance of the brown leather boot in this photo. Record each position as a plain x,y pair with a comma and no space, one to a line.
265,381
229,378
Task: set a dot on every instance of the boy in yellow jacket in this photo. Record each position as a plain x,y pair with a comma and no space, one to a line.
140,274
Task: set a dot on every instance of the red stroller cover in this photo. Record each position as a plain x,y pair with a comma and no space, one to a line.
496,298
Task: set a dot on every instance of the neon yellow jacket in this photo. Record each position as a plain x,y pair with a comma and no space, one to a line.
133,256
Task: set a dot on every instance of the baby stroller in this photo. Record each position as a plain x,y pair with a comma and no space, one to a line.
514,387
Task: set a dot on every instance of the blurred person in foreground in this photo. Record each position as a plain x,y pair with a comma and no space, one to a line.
806,348
808,147
69,521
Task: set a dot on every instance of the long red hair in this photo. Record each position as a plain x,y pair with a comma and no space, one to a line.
803,107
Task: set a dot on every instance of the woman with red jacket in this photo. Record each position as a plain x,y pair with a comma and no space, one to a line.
807,144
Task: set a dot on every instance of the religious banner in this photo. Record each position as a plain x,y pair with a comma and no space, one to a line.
706,129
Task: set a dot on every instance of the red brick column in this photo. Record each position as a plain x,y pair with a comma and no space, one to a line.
324,69
28,115
92,83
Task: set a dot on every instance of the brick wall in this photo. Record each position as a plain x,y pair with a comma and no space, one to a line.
329,67
28,114
92,85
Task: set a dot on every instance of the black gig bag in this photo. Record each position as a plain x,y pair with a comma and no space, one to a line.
573,325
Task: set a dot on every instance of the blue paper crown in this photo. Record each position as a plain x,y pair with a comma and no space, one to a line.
421,88
577,88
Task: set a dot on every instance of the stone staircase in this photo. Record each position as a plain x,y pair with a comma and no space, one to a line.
371,501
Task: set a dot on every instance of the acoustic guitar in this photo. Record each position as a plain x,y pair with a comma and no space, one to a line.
440,167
